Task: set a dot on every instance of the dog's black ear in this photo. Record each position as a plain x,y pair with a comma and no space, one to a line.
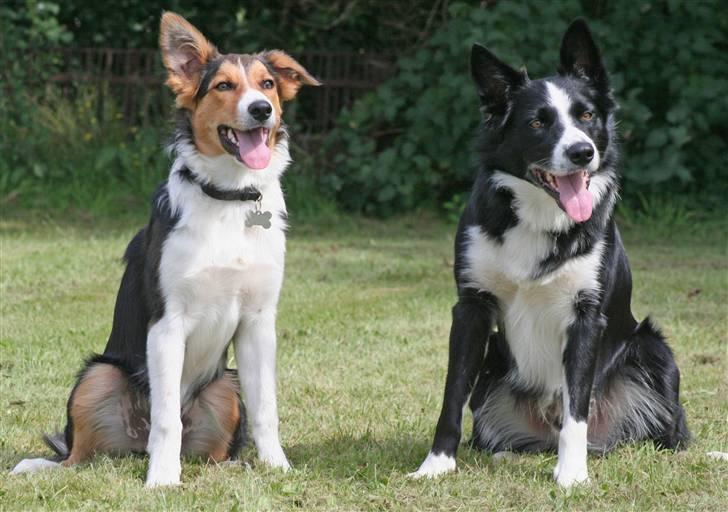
494,79
580,56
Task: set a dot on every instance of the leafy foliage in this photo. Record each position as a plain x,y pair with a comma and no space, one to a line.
80,153
409,143
29,25
250,26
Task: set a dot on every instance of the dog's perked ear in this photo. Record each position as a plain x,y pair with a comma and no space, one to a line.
289,74
185,52
495,81
580,56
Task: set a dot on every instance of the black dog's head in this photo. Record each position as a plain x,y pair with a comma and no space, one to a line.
556,132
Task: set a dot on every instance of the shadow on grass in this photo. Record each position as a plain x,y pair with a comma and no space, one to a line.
372,460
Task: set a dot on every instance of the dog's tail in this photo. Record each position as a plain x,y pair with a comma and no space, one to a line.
57,443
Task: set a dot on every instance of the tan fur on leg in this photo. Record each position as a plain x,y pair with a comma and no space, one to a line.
211,420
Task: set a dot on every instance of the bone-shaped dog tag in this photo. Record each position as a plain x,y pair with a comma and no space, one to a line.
258,218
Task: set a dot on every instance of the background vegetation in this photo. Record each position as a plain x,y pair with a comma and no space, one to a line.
404,146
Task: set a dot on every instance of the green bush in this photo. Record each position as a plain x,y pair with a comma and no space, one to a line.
409,143
78,153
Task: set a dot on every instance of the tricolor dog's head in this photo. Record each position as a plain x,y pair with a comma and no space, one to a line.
556,132
234,101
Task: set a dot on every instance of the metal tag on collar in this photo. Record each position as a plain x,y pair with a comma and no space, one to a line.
257,217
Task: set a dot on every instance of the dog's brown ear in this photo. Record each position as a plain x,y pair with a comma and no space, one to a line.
290,75
185,51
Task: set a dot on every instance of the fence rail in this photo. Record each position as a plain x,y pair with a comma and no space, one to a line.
134,78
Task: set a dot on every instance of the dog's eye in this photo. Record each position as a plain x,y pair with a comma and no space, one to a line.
587,116
267,84
535,124
225,86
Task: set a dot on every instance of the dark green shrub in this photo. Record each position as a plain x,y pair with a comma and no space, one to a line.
409,143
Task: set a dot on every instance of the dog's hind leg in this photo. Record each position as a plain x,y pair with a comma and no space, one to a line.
213,424
642,395
106,413
504,423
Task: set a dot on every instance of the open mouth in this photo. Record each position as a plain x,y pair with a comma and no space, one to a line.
571,191
249,146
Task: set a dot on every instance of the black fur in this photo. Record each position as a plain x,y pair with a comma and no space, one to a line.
607,351
208,73
139,300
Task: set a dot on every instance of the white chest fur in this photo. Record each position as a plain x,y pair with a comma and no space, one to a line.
536,313
216,273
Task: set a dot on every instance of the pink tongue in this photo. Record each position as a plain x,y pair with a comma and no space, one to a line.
253,148
574,196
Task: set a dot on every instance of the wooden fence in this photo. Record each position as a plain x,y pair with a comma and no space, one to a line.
134,79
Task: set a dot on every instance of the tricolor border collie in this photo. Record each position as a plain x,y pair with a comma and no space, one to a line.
543,340
206,271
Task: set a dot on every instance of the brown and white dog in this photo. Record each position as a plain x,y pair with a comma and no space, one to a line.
204,273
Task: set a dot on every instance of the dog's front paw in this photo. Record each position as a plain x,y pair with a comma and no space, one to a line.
154,480
434,465
567,475
163,475
275,458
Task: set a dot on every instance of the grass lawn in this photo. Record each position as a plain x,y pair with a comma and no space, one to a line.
363,326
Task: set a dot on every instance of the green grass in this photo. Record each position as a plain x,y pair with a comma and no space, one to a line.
363,325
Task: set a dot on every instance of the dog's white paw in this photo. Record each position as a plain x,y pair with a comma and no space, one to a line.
161,481
33,465
163,475
718,455
434,466
569,474
275,458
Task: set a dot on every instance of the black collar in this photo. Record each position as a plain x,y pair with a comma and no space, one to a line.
246,194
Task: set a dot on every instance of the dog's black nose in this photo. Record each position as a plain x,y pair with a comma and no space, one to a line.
260,110
580,153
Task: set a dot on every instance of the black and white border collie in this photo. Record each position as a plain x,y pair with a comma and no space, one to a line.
543,340
205,272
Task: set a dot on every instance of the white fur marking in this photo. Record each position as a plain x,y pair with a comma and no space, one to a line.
434,466
245,118
561,102
34,465
571,467
536,312
718,455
